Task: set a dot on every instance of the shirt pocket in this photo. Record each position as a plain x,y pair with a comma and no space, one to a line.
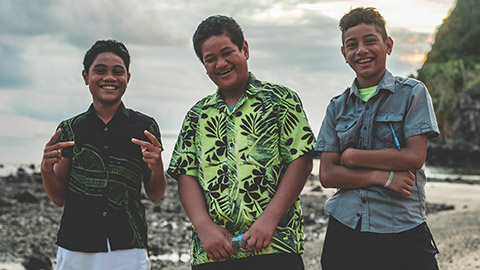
346,133
384,136
262,150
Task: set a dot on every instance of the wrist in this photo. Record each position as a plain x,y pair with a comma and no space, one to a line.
389,179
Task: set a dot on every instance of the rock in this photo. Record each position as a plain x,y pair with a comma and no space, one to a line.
26,197
37,177
37,261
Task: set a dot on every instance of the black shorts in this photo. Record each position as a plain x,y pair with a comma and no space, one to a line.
345,248
280,261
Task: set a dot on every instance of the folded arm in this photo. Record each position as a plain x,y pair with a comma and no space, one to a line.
411,157
335,175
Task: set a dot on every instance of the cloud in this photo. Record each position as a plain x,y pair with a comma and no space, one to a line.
13,69
83,22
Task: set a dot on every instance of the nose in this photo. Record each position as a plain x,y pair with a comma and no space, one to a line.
109,76
362,49
221,63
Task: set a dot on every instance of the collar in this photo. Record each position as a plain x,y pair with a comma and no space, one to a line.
253,88
121,111
386,83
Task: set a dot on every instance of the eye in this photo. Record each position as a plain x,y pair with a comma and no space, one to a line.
370,41
99,70
119,72
227,53
351,44
209,60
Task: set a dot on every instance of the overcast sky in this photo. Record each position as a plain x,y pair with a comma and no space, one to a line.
292,42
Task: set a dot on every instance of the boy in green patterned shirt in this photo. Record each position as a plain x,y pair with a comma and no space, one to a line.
241,160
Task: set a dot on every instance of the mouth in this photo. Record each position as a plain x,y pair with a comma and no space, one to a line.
109,87
365,60
223,72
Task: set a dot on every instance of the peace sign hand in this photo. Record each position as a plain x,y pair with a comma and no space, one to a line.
152,152
52,153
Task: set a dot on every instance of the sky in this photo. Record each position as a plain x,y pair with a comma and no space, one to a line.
292,42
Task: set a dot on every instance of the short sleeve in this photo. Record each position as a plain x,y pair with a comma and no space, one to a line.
184,158
296,136
420,118
327,140
154,129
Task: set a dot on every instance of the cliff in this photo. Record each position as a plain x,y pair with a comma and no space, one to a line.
451,73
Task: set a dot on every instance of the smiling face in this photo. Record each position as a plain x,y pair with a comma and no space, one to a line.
226,64
107,79
366,52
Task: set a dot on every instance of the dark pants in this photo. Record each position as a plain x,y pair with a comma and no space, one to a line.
281,261
345,248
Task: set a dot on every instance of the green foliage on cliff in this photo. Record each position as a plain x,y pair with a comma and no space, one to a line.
451,72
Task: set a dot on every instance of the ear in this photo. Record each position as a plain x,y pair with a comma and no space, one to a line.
342,49
85,77
128,77
245,49
389,44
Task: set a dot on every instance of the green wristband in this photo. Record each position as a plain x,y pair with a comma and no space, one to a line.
389,180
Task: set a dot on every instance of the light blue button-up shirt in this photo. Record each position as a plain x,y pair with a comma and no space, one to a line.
350,122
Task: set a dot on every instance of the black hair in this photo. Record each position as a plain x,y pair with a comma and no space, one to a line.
109,45
214,26
360,15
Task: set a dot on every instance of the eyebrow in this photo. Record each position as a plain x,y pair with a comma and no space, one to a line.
103,65
365,36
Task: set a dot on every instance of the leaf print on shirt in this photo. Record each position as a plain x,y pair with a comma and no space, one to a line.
287,109
216,128
252,198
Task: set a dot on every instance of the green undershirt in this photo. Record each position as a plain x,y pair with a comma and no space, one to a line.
367,93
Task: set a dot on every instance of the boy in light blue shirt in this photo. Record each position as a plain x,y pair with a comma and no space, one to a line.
373,144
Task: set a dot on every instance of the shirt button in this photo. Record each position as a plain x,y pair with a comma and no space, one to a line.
104,214
105,147
105,129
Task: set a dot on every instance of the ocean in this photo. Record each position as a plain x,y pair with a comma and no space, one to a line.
24,152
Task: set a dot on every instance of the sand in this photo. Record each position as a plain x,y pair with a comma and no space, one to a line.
456,232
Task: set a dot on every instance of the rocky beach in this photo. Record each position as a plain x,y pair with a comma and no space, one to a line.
29,223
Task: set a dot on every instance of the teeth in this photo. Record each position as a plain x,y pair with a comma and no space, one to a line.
362,61
225,72
109,87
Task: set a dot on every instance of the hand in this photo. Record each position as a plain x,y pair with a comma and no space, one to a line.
152,152
259,235
402,182
215,243
52,153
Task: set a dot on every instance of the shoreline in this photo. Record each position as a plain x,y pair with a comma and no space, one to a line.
453,215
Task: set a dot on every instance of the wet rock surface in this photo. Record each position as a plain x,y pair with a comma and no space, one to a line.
29,223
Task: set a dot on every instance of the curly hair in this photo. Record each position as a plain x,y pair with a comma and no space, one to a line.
360,15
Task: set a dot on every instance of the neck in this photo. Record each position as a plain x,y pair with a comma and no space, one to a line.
369,82
231,98
105,111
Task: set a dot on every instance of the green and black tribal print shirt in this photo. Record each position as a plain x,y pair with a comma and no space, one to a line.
105,181
239,157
